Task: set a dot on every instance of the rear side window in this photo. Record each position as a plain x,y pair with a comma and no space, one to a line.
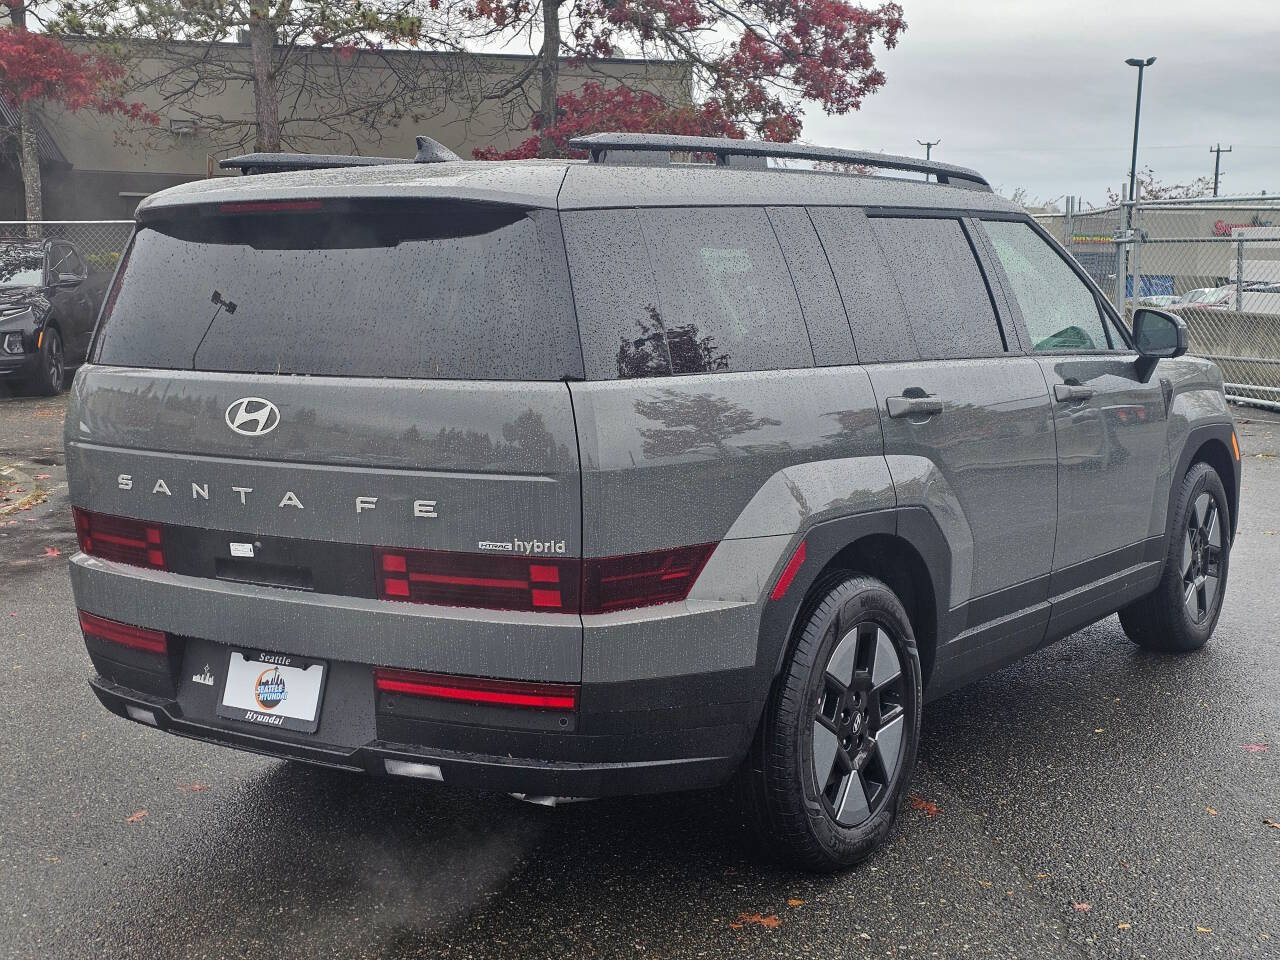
941,285
441,290
881,332
1057,306
696,290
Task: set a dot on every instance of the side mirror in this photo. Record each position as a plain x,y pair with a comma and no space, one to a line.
1158,334
68,279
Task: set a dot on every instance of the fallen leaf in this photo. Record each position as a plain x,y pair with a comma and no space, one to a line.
1100,730
795,902
927,807
137,816
1212,812
985,884
1254,747
1041,876
1122,925
52,552
42,476
1200,929
769,922
1272,824
1081,907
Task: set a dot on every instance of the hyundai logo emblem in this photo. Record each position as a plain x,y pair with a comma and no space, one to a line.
253,416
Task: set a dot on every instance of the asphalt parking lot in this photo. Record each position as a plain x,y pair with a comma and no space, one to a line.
1091,801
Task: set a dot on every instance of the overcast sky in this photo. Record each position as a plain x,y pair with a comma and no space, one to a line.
1036,94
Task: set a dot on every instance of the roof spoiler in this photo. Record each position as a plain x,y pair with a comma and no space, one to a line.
429,151
651,149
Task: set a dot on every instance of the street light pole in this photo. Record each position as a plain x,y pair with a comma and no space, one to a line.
1137,115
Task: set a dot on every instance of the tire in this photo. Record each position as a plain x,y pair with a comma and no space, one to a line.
50,376
837,744
1180,614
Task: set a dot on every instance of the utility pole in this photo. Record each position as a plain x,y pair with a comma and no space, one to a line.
928,151
1218,151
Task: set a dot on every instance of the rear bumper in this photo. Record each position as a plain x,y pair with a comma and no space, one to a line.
668,697
477,771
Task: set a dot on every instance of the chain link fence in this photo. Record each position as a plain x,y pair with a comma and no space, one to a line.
1213,261
100,242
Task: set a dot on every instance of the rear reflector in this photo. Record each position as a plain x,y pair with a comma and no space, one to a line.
478,580
139,638
642,579
119,538
503,693
788,573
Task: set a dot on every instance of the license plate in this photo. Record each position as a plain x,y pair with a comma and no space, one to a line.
273,690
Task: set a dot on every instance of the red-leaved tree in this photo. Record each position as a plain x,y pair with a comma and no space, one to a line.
37,68
753,63
597,107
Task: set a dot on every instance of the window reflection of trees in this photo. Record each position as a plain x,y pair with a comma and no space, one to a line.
660,350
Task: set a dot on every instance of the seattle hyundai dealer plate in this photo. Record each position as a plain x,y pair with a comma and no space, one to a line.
273,689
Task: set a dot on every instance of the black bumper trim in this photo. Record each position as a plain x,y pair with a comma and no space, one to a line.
471,771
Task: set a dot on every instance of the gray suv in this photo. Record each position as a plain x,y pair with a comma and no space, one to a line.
569,479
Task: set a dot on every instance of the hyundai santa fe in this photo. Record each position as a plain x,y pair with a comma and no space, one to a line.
673,467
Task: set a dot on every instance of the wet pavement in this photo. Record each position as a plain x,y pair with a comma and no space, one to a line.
1091,801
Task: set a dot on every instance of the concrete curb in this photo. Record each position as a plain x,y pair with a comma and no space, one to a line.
33,492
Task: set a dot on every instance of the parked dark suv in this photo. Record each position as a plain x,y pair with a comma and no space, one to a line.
49,300
571,478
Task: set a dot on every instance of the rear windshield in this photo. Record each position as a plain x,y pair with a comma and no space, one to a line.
440,290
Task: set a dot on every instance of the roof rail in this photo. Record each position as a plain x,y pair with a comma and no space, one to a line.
429,151
637,148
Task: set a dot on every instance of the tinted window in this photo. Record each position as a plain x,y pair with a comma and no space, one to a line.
815,286
876,315
941,285
382,290
615,296
65,260
724,300
1057,306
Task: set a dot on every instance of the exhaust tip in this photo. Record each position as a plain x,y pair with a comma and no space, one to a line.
142,716
407,768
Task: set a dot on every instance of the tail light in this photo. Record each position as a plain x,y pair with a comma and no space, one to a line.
641,579
120,538
477,580
603,584
504,693
152,641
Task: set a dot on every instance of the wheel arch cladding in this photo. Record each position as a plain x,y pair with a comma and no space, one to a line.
1211,443
903,547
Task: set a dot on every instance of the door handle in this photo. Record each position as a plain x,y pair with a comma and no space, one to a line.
1071,392
913,406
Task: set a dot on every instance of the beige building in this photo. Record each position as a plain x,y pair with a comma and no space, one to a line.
98,167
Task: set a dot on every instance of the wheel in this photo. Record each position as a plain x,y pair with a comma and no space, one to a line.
1180,614
50,374
837,744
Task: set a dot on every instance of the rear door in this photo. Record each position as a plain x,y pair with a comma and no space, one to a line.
967,427
289,389
1111,422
